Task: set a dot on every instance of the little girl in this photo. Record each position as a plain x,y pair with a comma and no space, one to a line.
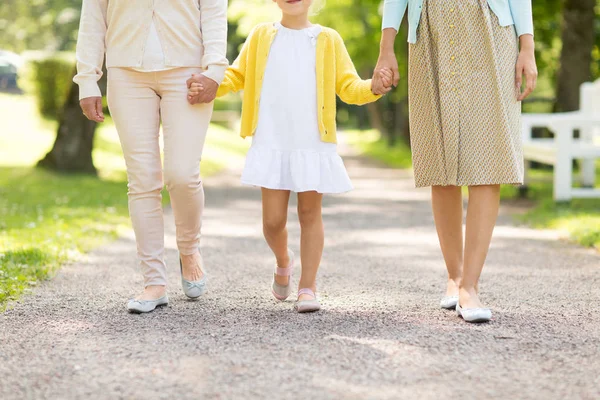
290,73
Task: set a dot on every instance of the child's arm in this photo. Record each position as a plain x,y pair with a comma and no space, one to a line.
349,86
235,75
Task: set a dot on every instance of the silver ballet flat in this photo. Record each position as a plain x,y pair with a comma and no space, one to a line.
474,314
449,302
145,306
192,289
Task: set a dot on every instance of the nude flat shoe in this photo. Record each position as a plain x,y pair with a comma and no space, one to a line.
145,306
282,292
474,314
192,289
306,306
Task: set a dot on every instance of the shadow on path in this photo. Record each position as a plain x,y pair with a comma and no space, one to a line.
381,334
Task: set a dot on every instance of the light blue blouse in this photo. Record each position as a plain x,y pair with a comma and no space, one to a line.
509,12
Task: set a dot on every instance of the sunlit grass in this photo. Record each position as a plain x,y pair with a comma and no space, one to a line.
46,218
579,218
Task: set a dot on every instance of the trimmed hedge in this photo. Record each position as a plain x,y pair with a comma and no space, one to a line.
49,79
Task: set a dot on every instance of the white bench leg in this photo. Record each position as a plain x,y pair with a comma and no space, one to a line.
588,173
588,167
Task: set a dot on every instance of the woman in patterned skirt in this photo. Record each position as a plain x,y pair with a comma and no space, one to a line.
467,59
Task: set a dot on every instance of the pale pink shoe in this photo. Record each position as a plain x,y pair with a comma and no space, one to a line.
305,306
282,292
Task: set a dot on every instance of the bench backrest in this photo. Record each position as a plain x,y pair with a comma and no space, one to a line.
590,105
590,97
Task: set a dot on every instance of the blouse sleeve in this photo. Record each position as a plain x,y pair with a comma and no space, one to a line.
393,12
91,47
522,15
213,15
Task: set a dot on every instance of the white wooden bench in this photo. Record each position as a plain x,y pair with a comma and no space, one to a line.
563,148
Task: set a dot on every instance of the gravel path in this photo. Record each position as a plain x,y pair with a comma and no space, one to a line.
381,334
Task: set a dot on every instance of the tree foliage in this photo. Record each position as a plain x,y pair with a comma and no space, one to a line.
359,22
39,24
52,25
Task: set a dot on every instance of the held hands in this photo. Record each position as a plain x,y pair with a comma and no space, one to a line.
92,108
201,89
382,81
386,65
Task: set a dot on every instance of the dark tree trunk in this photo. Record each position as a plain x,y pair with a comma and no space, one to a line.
72,150
576,55
374,112
402,121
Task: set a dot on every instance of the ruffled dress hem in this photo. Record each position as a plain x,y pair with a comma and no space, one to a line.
298,170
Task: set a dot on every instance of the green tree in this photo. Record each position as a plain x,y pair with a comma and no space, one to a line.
39,24
52,25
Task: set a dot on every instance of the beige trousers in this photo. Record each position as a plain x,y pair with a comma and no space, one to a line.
138,102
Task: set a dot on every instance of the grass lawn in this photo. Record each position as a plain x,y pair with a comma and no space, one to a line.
46,218
579,218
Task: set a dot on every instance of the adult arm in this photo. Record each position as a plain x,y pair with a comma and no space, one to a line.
521,11
233,80
213,18
90,56
393,13
387,60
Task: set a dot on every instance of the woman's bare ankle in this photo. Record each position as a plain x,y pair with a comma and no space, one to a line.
452,287
468,297
152,292
192,267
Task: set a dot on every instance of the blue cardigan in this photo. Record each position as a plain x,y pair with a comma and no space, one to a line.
509,12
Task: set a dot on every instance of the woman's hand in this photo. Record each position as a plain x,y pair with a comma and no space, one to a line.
92,108
382,78
387,61
526,67
205,89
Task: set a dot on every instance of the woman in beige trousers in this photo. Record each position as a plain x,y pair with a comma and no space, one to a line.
152,48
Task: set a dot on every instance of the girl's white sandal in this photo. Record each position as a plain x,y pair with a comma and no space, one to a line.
282,292
305,306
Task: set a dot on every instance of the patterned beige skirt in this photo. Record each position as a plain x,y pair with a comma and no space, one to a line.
464,114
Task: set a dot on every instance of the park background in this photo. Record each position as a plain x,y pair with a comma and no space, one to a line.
62,179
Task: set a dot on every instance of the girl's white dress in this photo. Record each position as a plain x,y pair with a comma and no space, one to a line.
287,152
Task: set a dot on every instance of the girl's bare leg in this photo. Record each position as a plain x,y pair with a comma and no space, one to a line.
312,238
274,207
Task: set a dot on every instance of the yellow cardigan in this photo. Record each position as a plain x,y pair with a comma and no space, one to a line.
336,74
